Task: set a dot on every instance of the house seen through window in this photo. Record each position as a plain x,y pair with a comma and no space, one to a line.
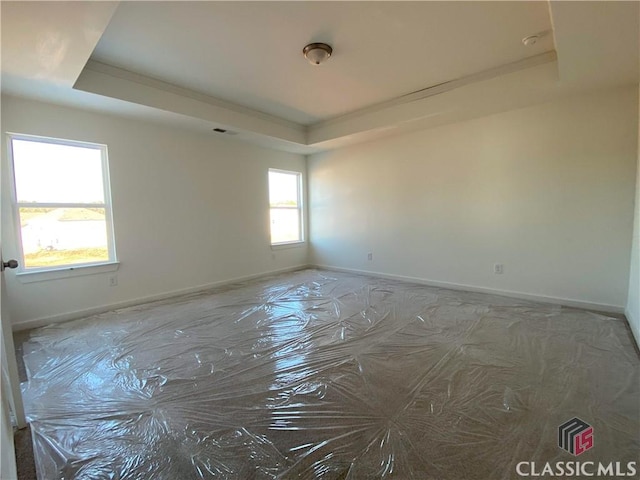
285,200
62,203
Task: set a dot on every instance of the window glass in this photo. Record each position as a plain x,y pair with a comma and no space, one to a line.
283,189
50,173
285,206
62,203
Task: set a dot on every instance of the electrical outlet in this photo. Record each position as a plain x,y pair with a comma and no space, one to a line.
498,268
113,280
369,256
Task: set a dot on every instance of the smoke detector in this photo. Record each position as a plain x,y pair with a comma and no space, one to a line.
530,40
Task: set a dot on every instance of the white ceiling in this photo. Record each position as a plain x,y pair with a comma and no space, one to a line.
42,41
396,65
251,54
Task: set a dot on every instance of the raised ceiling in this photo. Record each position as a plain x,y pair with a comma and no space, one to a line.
251,54
238,65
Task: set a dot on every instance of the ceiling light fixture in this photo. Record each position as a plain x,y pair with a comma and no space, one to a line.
317,53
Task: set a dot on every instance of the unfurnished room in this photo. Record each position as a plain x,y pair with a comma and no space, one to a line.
320,240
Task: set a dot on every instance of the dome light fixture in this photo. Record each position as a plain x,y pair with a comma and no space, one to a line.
317,53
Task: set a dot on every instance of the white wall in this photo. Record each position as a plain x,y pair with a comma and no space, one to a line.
545,190
633,301
189,209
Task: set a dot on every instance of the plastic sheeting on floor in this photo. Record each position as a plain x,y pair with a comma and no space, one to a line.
320,374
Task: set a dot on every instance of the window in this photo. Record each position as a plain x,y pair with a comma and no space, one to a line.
285,199
62,202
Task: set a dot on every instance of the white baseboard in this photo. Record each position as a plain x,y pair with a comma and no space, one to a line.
40,322
65,317
568,302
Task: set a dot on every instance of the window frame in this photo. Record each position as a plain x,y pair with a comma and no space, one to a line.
66,269
299,208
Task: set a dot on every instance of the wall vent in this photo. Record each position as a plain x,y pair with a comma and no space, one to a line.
223,130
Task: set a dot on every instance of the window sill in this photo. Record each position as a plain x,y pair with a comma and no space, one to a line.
66,272
282,246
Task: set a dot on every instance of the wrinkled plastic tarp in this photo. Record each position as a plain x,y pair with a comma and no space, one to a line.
328,375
